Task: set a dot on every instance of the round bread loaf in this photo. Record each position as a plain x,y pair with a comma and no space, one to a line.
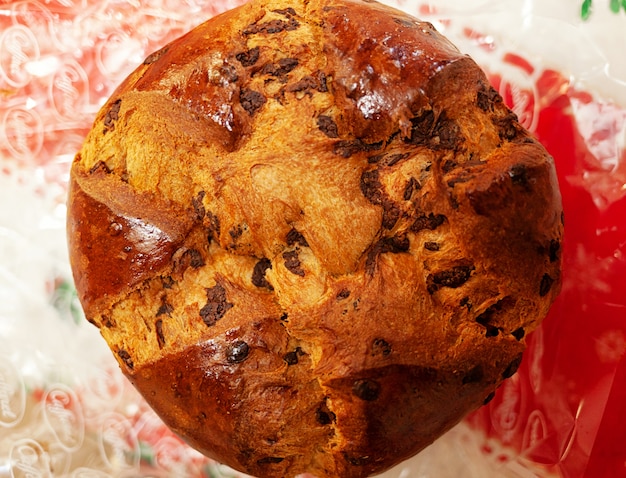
313,236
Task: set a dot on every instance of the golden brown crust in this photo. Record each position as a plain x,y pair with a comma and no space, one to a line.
313,236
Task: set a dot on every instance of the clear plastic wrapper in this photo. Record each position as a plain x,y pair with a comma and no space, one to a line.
65,408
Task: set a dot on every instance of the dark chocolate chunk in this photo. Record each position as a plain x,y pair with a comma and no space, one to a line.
367,390
248,57
512,367
193,258
294,237
251,100
519,333
272,26
491,330
421,128
165,309
489,398
475,374
324,415
167,282
216,306
237,352
327,126
347,148
112,115
292,358
100,165
519,175
343,294
546,285
281,68
229,73
394,245
412,185
268,460
553,250
198,206
126,358
431,246
371,187
288,12
452,278
381,347
258,274
236,232
430,222
213,224
508,126
486,98
158,327
393,159
292,263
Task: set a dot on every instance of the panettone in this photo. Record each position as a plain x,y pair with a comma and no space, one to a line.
313,236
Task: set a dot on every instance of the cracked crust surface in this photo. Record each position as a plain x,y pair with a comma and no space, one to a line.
313,236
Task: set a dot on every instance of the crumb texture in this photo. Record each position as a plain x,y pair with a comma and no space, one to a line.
313,236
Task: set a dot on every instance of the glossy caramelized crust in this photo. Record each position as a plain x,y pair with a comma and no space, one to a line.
313,236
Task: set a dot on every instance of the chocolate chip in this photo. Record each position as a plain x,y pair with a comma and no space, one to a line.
519,175
236,232
431,246
167,282
248,57
343,294
421,128
412,185
512,368
198,205
393,159
553,250
112,115
381,347
158,327
272,26
126,358
491,331
519,333
394,245
251,100
546,285
367,390
347,148
281,68
371,187
486,97
165,309
489,398
213,223
294,237
327,126
288,12
507,126
452,278
475,374
193,258
430,222
324,415
216,305
100,166
292,358
229,73
268,460
292,263
258,274
237,352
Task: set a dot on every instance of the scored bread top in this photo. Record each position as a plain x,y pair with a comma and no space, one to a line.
313,235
